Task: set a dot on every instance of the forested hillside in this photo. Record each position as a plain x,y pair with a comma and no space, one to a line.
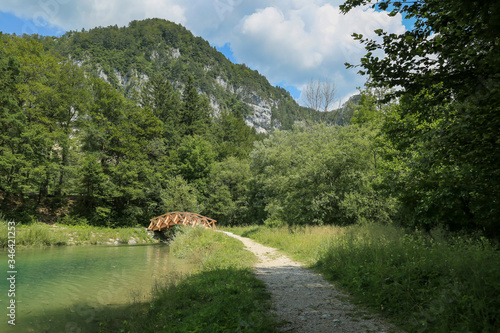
128,56
116,125
74,147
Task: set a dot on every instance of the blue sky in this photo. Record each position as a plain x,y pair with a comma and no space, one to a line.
288,41
10,24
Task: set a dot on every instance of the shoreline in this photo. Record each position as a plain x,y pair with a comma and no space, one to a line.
39,235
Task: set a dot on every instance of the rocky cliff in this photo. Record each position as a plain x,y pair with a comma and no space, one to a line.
126,57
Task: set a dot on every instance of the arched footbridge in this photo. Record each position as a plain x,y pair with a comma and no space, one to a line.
168,220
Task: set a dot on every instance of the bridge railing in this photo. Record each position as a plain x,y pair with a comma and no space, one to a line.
168,220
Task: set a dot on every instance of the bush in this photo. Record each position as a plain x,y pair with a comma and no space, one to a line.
430,284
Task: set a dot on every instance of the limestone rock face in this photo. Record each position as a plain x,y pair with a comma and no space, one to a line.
261,119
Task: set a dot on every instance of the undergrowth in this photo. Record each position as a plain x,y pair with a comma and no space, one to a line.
433,282
223,295
41,235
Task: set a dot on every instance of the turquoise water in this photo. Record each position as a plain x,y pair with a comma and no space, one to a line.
71,289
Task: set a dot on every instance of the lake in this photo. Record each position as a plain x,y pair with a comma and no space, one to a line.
72,288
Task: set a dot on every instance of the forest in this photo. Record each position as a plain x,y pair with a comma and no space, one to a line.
419,149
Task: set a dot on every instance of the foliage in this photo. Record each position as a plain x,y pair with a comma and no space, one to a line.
232,136
447,126
437,282
194,158
319,175
228,192
179,195
440,285
74,233
13,122
453,45
165,103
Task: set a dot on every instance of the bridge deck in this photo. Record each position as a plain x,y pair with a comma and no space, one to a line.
168,220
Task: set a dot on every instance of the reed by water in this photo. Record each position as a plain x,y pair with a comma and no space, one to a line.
41,234
223,295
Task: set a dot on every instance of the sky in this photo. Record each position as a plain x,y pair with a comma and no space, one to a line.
291,42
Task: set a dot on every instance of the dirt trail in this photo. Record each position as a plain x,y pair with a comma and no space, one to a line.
303,300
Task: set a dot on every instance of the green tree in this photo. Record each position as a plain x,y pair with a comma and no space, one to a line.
447,127
232,135
179,195
319,174
66,105
13,122
194,160
93,183
124,139
228,192
164,101
195,111
37,144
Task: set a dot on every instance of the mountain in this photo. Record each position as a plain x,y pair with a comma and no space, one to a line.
128,56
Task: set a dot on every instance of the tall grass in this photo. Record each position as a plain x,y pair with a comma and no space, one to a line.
40,235
304,243
210,250
222,296
425,282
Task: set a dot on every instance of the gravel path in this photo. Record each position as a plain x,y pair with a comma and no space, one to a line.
303,300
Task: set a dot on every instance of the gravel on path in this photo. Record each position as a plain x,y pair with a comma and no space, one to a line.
304,301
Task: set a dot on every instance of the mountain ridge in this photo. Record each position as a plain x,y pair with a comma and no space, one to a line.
126,57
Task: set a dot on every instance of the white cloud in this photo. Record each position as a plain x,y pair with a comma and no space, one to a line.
75,15
311,42
287,41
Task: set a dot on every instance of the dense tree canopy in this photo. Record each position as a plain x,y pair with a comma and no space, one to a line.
72,143
446,130
419,146
320,175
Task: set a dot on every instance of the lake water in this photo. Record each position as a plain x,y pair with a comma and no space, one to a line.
70,289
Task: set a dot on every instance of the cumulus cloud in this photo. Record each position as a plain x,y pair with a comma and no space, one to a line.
78,14
288,41
311,42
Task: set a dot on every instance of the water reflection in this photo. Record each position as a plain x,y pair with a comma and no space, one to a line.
68,289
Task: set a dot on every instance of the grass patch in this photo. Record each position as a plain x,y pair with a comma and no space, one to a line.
223,295
210,250
40,235
424,282
303,243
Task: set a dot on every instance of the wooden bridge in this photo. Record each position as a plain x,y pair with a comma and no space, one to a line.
168,220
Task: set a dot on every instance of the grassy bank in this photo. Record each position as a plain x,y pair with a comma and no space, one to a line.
223,295
424,283
40,234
